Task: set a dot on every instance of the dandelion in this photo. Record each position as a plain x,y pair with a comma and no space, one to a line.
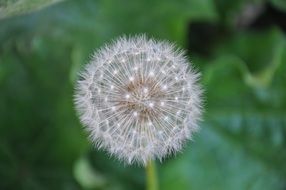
139,99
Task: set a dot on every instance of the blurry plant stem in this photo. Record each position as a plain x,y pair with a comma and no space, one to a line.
151,176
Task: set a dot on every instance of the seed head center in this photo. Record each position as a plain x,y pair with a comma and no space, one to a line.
142,97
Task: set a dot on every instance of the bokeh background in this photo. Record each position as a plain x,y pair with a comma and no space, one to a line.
238,45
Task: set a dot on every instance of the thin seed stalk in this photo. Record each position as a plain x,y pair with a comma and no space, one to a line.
151,176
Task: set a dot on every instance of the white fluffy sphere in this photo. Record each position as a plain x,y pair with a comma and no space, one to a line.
139,99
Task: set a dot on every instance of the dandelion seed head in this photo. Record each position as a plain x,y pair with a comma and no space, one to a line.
139,99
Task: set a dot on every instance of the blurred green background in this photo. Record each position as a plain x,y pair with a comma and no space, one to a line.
239,46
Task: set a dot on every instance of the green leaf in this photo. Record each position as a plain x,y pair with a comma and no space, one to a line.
87,176
10,8
168,20
242,141
258,53
279,4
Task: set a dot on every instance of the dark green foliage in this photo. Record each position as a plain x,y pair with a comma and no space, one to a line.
242,142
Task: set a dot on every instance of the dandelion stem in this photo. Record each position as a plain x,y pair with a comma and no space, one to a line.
151,176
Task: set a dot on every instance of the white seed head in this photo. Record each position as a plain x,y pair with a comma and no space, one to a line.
139,99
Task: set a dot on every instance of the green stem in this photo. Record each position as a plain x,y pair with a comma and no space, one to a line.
151,176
